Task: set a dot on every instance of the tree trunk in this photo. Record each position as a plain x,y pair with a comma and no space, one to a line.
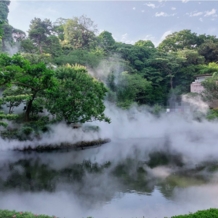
28,110
29,107
171,82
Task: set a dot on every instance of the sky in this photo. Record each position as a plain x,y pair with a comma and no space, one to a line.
128,21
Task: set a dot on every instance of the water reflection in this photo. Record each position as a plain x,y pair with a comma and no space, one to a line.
92,187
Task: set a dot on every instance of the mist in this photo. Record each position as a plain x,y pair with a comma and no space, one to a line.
117,179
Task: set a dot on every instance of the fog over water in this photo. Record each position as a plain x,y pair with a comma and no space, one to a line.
116,179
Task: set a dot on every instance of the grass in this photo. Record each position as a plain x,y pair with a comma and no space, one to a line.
14,214
210,213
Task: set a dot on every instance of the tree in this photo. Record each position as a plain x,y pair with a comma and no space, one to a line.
133,88
3,17
33,79
183,39
209,49
80,56
78,97
4,4
28,46
53,46
145,44
106,41
210,93
79,33
39,31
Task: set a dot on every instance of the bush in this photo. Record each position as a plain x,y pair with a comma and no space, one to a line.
14,214
211,213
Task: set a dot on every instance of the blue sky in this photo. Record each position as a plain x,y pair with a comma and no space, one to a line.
128,21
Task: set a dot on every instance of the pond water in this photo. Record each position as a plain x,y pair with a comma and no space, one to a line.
132,181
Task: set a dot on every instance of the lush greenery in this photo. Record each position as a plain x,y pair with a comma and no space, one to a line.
212,213
68,93
48,76
13,214
140,73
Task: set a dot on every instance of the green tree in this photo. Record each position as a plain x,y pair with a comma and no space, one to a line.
28,46
3,17
4,4
209,49
79,33
33,79
106,41
39,31
210,94
183,39
145,44
133,88
78,97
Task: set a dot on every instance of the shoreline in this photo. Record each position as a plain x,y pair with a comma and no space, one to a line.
65,146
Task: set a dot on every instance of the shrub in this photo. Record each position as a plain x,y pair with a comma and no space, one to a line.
14,214
211,213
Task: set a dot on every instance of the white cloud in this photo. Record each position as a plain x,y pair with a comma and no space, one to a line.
163,14
143,11
165,34
149,37
209,13
201,19
133,8
160,14
124,39
150,5
195,14
173,8
185,1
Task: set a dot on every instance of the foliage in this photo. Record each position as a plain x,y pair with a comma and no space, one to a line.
183,39
68,93
78,97
39,32
152,73
79,33
132,87
106,41
200,214
13,214
4,10
79,56
209,49
211,88
212,114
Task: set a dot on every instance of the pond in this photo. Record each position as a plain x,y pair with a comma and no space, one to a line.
132,181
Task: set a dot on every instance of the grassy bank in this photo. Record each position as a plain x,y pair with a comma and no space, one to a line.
210,213
14,214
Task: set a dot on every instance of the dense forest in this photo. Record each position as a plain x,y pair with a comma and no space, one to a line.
65,70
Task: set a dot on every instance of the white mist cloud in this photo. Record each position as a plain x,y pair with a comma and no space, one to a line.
161,14
124,38
195,14
165,34
151,5
210,13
